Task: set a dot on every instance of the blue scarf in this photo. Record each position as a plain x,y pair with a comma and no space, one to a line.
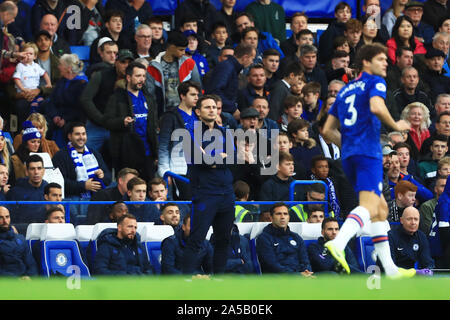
85,166
332,196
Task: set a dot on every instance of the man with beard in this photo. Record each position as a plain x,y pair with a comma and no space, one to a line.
15,255
83,169
49,22
140,119
46,59
100,87
120,250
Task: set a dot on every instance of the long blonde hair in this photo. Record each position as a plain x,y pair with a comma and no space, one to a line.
5,154
426,122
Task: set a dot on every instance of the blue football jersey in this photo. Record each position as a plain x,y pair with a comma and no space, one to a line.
360,128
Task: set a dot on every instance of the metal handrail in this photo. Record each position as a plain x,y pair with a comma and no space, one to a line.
175,176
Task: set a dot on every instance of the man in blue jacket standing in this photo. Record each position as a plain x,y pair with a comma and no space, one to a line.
120,250
212,187
326,263
279,249
224,78
15,255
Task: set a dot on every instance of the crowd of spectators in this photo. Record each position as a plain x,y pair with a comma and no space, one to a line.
107,123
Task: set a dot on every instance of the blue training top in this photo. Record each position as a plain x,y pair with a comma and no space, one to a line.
140,110
360,128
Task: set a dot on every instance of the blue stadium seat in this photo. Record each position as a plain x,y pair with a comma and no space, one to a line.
33,233
152,236
60,250
256,231
84,235
81,51
365,252
245,228
142,225
91,249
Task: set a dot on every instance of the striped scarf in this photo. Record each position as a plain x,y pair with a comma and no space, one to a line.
332,196
85,166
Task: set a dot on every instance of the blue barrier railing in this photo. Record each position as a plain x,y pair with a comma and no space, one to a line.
308,182
175,176
67,204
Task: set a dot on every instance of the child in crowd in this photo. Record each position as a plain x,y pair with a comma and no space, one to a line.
293,109
220,38
321,171
311,94
27,77
304,147
192,50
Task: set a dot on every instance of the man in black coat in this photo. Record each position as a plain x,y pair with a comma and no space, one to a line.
15,255
95,96
132,118
98,213
434,76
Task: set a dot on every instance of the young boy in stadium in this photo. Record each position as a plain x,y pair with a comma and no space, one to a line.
311,94
358,109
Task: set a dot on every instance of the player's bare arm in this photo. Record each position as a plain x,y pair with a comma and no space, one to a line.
378,108
331,130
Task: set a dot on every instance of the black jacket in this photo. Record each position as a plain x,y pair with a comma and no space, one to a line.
124,42
326,40
203,10
172,251
324,263
120,256
99,213
15,255
119,107
95,95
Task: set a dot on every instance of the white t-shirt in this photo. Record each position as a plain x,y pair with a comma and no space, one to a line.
29,75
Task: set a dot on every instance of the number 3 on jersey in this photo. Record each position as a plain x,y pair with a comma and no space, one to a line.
352,110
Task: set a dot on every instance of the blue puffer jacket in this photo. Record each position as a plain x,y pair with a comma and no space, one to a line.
172,250
239,258
118,257
408,250
15,256
322,263
281,251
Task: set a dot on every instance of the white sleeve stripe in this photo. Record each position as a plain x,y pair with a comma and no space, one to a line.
443,224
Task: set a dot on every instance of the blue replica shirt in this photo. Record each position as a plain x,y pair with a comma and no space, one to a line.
188,120
360,128
140,110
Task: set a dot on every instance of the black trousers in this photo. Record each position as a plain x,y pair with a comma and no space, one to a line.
210,210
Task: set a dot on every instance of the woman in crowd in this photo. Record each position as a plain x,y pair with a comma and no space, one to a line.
38,121
64,103
31,142
418,116
403,36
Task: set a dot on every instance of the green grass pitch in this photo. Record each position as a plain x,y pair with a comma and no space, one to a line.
282,287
